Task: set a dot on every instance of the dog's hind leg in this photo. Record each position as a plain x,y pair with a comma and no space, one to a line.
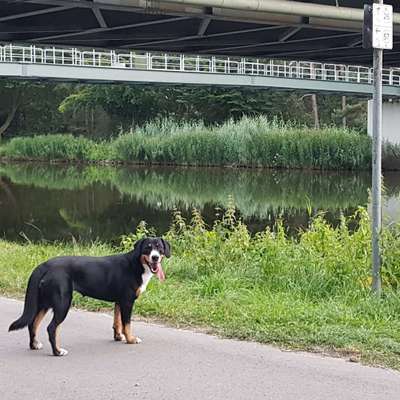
34,344
117,326
61,306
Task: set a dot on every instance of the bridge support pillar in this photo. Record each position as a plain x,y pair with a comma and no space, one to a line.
390,121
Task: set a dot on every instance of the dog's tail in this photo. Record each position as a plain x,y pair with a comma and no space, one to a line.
31,299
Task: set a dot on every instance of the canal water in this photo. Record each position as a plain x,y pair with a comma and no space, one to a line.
58,202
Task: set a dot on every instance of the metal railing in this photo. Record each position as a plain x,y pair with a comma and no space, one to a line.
10,53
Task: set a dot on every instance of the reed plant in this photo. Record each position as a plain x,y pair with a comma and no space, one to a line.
250,142
54,147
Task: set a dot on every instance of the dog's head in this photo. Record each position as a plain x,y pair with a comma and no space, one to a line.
150,252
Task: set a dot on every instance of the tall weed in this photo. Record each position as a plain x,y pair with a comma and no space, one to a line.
321,262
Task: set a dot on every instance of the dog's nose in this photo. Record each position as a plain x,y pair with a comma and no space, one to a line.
154,258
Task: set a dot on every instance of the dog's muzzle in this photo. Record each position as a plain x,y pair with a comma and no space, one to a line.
156,269
153,262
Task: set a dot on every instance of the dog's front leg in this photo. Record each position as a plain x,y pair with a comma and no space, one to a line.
117,326
126,313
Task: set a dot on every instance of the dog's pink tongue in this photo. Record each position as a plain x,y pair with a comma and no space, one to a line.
160,273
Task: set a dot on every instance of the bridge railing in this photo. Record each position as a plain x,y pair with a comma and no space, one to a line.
192,63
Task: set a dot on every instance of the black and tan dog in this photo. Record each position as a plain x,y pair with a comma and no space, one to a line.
120,278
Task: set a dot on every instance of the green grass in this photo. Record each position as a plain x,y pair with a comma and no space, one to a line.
250,142
310,292
53,147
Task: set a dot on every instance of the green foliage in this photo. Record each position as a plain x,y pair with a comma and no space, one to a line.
136,105
250,142
55,147
311,292
100,110
36,106
75,101
131,105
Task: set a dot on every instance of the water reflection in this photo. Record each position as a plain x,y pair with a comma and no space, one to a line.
56,202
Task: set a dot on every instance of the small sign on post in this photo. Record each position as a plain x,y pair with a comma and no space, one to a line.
382,26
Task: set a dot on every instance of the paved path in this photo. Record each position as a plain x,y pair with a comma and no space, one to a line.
173,364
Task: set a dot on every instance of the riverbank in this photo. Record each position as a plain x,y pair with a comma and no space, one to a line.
309,293
250,142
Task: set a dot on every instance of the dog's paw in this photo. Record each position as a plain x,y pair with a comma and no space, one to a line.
61,352
134,340
36,345
118,337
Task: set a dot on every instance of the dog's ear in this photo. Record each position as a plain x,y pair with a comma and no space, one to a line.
167,248
137,248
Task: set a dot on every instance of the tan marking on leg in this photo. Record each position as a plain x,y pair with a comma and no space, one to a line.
130,339
117,326
38,319
56,338
35,344
60,351
138,292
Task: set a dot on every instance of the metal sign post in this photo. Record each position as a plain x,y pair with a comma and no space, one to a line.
382,38
377,171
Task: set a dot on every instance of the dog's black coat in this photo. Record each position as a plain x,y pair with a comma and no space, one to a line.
113,278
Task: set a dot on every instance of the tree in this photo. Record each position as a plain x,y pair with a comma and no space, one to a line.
315,112
31,106
9,90
27,107
134,105
130,104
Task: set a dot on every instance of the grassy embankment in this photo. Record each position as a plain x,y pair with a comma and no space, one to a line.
251,142
310,293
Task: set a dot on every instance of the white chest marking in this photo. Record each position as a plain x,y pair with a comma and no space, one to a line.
146,276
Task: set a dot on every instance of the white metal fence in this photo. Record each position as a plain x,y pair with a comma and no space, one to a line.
191,63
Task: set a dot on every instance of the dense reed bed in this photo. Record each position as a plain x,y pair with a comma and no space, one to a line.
250,142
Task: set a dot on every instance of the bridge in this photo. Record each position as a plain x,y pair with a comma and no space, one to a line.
317,30
203,42
213,42
72,64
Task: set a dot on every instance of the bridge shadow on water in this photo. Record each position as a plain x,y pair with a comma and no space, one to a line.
56,202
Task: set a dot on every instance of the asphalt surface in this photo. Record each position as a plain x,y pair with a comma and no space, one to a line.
172,364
